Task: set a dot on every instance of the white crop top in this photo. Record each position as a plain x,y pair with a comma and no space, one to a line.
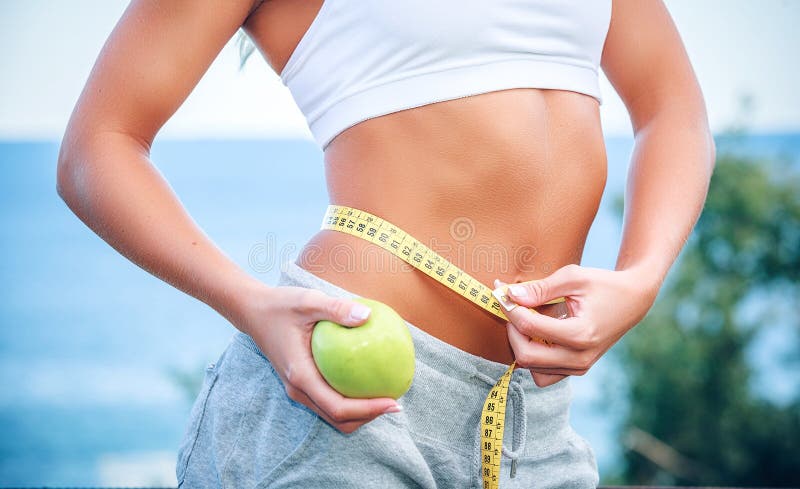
361,59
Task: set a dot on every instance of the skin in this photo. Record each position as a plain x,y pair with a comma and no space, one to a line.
526,167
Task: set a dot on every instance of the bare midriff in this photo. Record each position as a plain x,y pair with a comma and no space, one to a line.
503,184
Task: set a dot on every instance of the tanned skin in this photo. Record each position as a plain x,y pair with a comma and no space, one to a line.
504,184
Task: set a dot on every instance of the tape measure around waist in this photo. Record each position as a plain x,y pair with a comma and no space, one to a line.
404,246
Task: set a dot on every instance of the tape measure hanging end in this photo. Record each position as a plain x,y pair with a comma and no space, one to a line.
492,428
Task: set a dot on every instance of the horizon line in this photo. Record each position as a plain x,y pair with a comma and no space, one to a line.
6,139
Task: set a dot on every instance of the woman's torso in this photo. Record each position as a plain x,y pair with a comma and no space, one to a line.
504,184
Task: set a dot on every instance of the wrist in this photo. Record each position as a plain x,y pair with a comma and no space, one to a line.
645,280
241,299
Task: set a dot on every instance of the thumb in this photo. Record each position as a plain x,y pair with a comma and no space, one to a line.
346,312
349,312
561,283
357,315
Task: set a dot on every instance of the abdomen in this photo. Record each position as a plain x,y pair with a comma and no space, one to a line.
504,184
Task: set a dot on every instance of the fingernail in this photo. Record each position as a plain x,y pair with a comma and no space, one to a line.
359,312
393,409
518,290
501,295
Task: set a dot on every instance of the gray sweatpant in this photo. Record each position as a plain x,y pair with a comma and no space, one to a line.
244,432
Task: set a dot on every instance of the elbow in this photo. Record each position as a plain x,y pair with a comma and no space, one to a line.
72,172
63,180
65,173
686,127
712,151
706,146
82,171
706,151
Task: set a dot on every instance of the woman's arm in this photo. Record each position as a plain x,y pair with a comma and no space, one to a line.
672,162
155,56
152,60
674,153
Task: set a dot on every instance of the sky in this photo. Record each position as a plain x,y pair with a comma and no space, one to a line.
738,48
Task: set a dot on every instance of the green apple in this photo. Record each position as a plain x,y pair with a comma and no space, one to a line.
375,359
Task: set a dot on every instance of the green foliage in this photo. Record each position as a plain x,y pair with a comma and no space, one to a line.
693,415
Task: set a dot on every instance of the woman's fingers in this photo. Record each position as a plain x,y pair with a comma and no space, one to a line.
316,305
545,380
347,426
570,332
342,409
338,410
343,413
547,359
563,282
541,377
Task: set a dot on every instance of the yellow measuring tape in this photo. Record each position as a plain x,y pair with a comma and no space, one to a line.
393,239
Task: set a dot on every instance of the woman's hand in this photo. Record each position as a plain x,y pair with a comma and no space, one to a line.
280,320
603,305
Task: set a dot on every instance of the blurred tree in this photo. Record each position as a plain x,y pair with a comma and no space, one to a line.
694,416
